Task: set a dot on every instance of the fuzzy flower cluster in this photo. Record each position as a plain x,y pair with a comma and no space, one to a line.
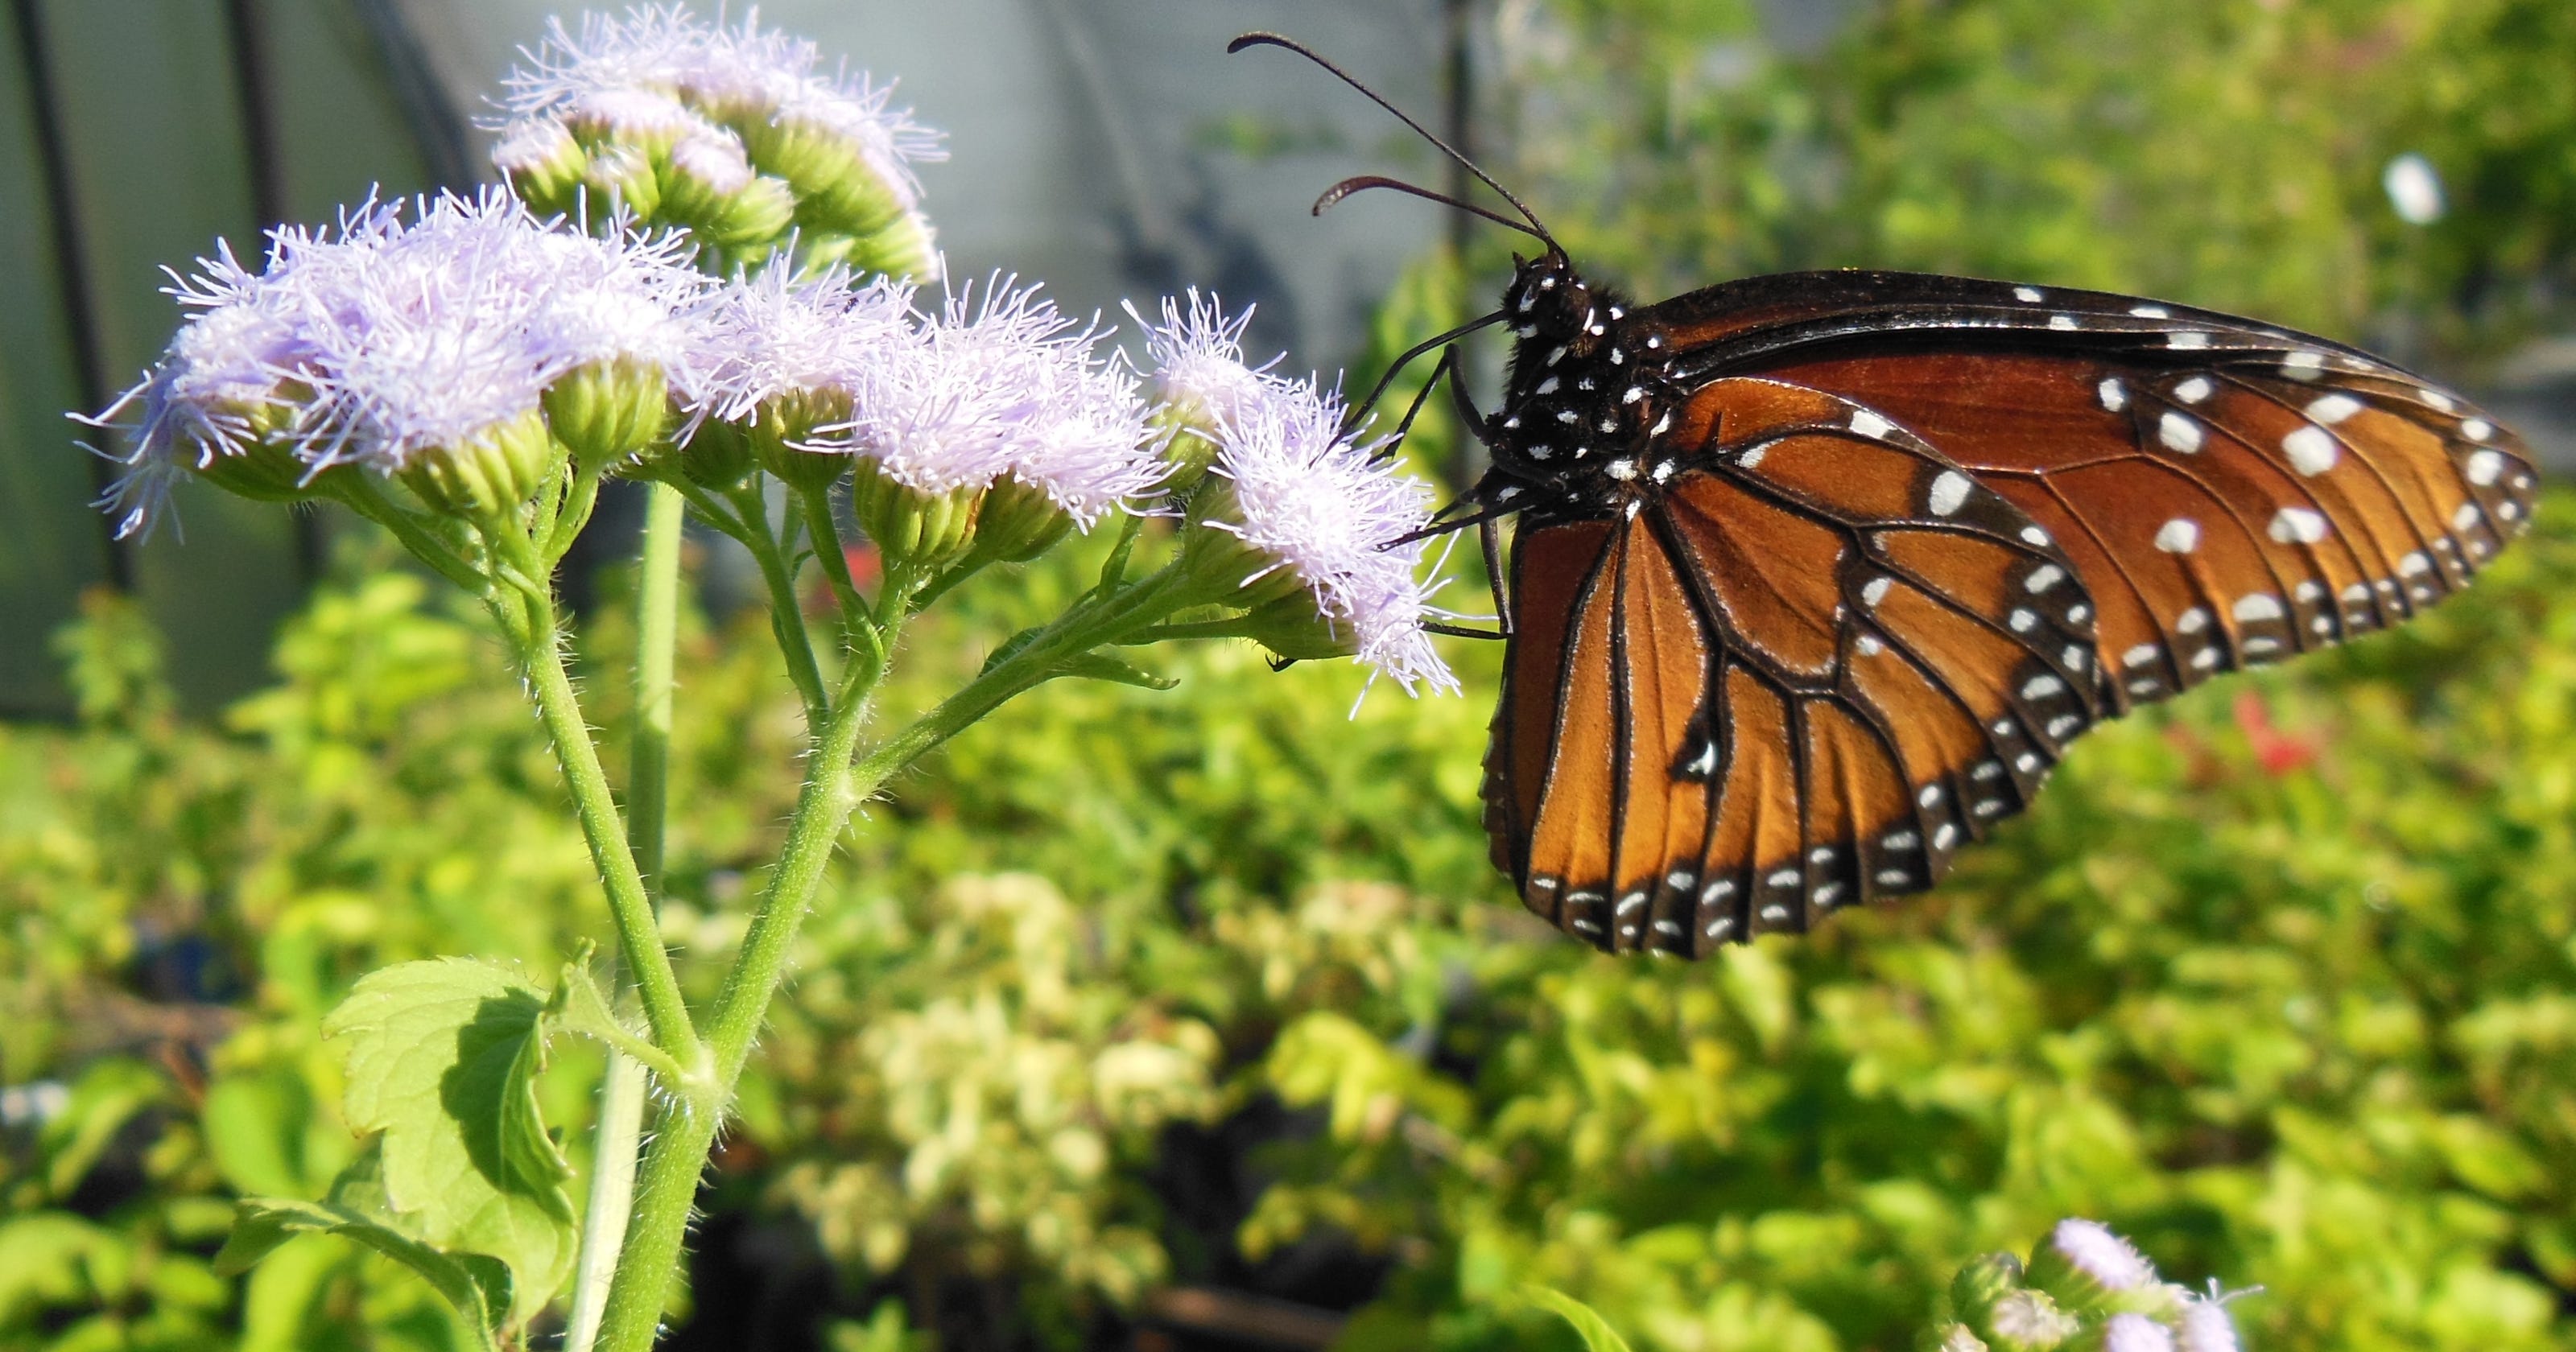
2086,1290
697,118
377,341
998,382
1307,494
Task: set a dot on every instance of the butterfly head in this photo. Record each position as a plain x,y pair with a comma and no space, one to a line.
1580,405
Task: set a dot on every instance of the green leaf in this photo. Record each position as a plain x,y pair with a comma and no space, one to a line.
442,1058
103,1100
1103,667
478,1287
578,1007
1597,1333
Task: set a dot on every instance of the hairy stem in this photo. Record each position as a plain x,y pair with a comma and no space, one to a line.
639,938
621,1094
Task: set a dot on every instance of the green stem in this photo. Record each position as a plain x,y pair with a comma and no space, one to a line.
825,534
621,1095
939,586
1232,626
359,492
678,1153
749,523
1113,570
639,938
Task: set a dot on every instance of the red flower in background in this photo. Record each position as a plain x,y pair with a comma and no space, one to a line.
2279,752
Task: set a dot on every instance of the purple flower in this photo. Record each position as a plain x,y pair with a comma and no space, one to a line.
742,75
1319,503
377,341
2092,1249
1002,383
1199,369
777,334
2135,1333
2206,1326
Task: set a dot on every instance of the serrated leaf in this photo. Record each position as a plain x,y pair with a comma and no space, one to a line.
442,1058
1596,1331
476,1286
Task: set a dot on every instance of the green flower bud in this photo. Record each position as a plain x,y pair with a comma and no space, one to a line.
544,164
488,476
622,173
783,422
1017,522
1291,626
2090,1270
904,248
836,186
263,471
2028,1321
1188,442
912,528
717,455
606,412
1980,1284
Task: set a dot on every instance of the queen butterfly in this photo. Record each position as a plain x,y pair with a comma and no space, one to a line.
1817,575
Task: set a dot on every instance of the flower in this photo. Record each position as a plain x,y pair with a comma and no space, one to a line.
379,343
2205,1325
2029,1319
2131,1332
2092,1250
1306,497
658,80
1199,368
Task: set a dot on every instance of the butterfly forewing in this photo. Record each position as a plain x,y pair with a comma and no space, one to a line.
1890,542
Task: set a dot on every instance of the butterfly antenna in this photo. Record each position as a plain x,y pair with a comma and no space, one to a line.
1537,227
1363,182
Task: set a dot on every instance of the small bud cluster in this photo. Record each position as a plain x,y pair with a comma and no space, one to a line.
2085,1290
455,352
732,130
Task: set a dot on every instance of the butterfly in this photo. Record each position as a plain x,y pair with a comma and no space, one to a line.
1816,576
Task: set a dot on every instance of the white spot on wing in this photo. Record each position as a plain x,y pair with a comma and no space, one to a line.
1875,590
2311,449
2194,390
2298,525
2178,432
2115,396
2062,323
2138,656
2029,295
1948,491
2043,577
2191,621
2179,536
2485,467
2332,408
2255,606
2186,341
2038,687
1868,424
2150,312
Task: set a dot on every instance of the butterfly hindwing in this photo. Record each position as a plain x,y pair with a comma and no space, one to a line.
1820,661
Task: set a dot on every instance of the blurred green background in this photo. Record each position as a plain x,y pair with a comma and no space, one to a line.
1196,1020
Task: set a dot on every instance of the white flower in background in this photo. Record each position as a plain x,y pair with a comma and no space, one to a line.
1316,502
2205,1325
659,75
2414,189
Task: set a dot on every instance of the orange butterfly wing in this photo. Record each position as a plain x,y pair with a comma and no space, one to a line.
1818,663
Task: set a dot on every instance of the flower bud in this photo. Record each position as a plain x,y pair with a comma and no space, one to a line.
1291,626
623,173
708,184
1957,1338
2129,1332
2089,1270
782,424
716,455
1188,445
905,248
2028,1321
487,475
2203,1326
261,470
543,163
912,528
1982,1283
1018,522
607,411
838,187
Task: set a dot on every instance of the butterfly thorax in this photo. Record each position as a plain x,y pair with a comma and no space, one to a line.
1582,401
